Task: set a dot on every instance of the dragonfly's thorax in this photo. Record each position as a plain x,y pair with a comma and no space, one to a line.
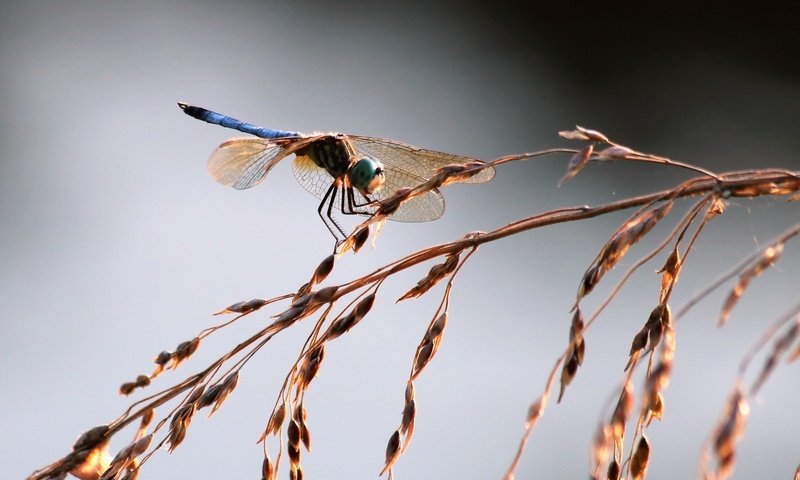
333,153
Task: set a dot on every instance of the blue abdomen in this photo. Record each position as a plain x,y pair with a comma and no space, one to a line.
230,122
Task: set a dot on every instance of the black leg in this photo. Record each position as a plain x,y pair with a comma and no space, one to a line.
332,194
330,210
353,207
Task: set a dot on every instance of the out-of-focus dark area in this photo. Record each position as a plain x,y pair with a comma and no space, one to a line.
115,244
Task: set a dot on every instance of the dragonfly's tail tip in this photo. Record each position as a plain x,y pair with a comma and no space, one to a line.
183,105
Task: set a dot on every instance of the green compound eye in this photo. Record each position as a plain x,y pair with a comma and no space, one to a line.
366,175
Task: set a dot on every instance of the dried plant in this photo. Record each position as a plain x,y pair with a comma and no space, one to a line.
335,310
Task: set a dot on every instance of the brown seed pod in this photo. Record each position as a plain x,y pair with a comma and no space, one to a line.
616,248
311,365
141,445
210,396
576,163
390,205
670,272
729,431
649,336
575,352
293,433
614,472
323,269
780,346
360,238
584,134
616,152
178,424
290,315
364,306
767,258
323,295
429,345
196,394
434,276
392,451
163,358
147,417
184,350
640,459
340,326
127,388
622,411
267,468
275,422
228,385
600,446
243,307
91,438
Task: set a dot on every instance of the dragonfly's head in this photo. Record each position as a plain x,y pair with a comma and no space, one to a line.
366,175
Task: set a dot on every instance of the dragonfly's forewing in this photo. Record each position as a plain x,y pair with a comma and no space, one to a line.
418,161
423,208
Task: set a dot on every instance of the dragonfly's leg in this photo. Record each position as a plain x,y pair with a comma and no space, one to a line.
329,220
353,208
345,206
330,210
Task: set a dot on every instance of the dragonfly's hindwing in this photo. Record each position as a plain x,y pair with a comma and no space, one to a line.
243,162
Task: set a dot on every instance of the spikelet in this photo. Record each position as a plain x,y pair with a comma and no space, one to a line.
243,307
434,276
728,432
770,255
576,163
640,459
630,233
574,357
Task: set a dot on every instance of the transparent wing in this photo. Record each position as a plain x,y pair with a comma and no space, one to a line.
420,209
244,162
313,178
419,161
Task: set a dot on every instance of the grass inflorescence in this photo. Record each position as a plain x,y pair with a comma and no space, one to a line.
165,417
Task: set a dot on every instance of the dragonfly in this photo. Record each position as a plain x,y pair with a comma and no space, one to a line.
358,170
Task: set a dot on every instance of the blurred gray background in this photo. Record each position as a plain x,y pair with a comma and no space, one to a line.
115,243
